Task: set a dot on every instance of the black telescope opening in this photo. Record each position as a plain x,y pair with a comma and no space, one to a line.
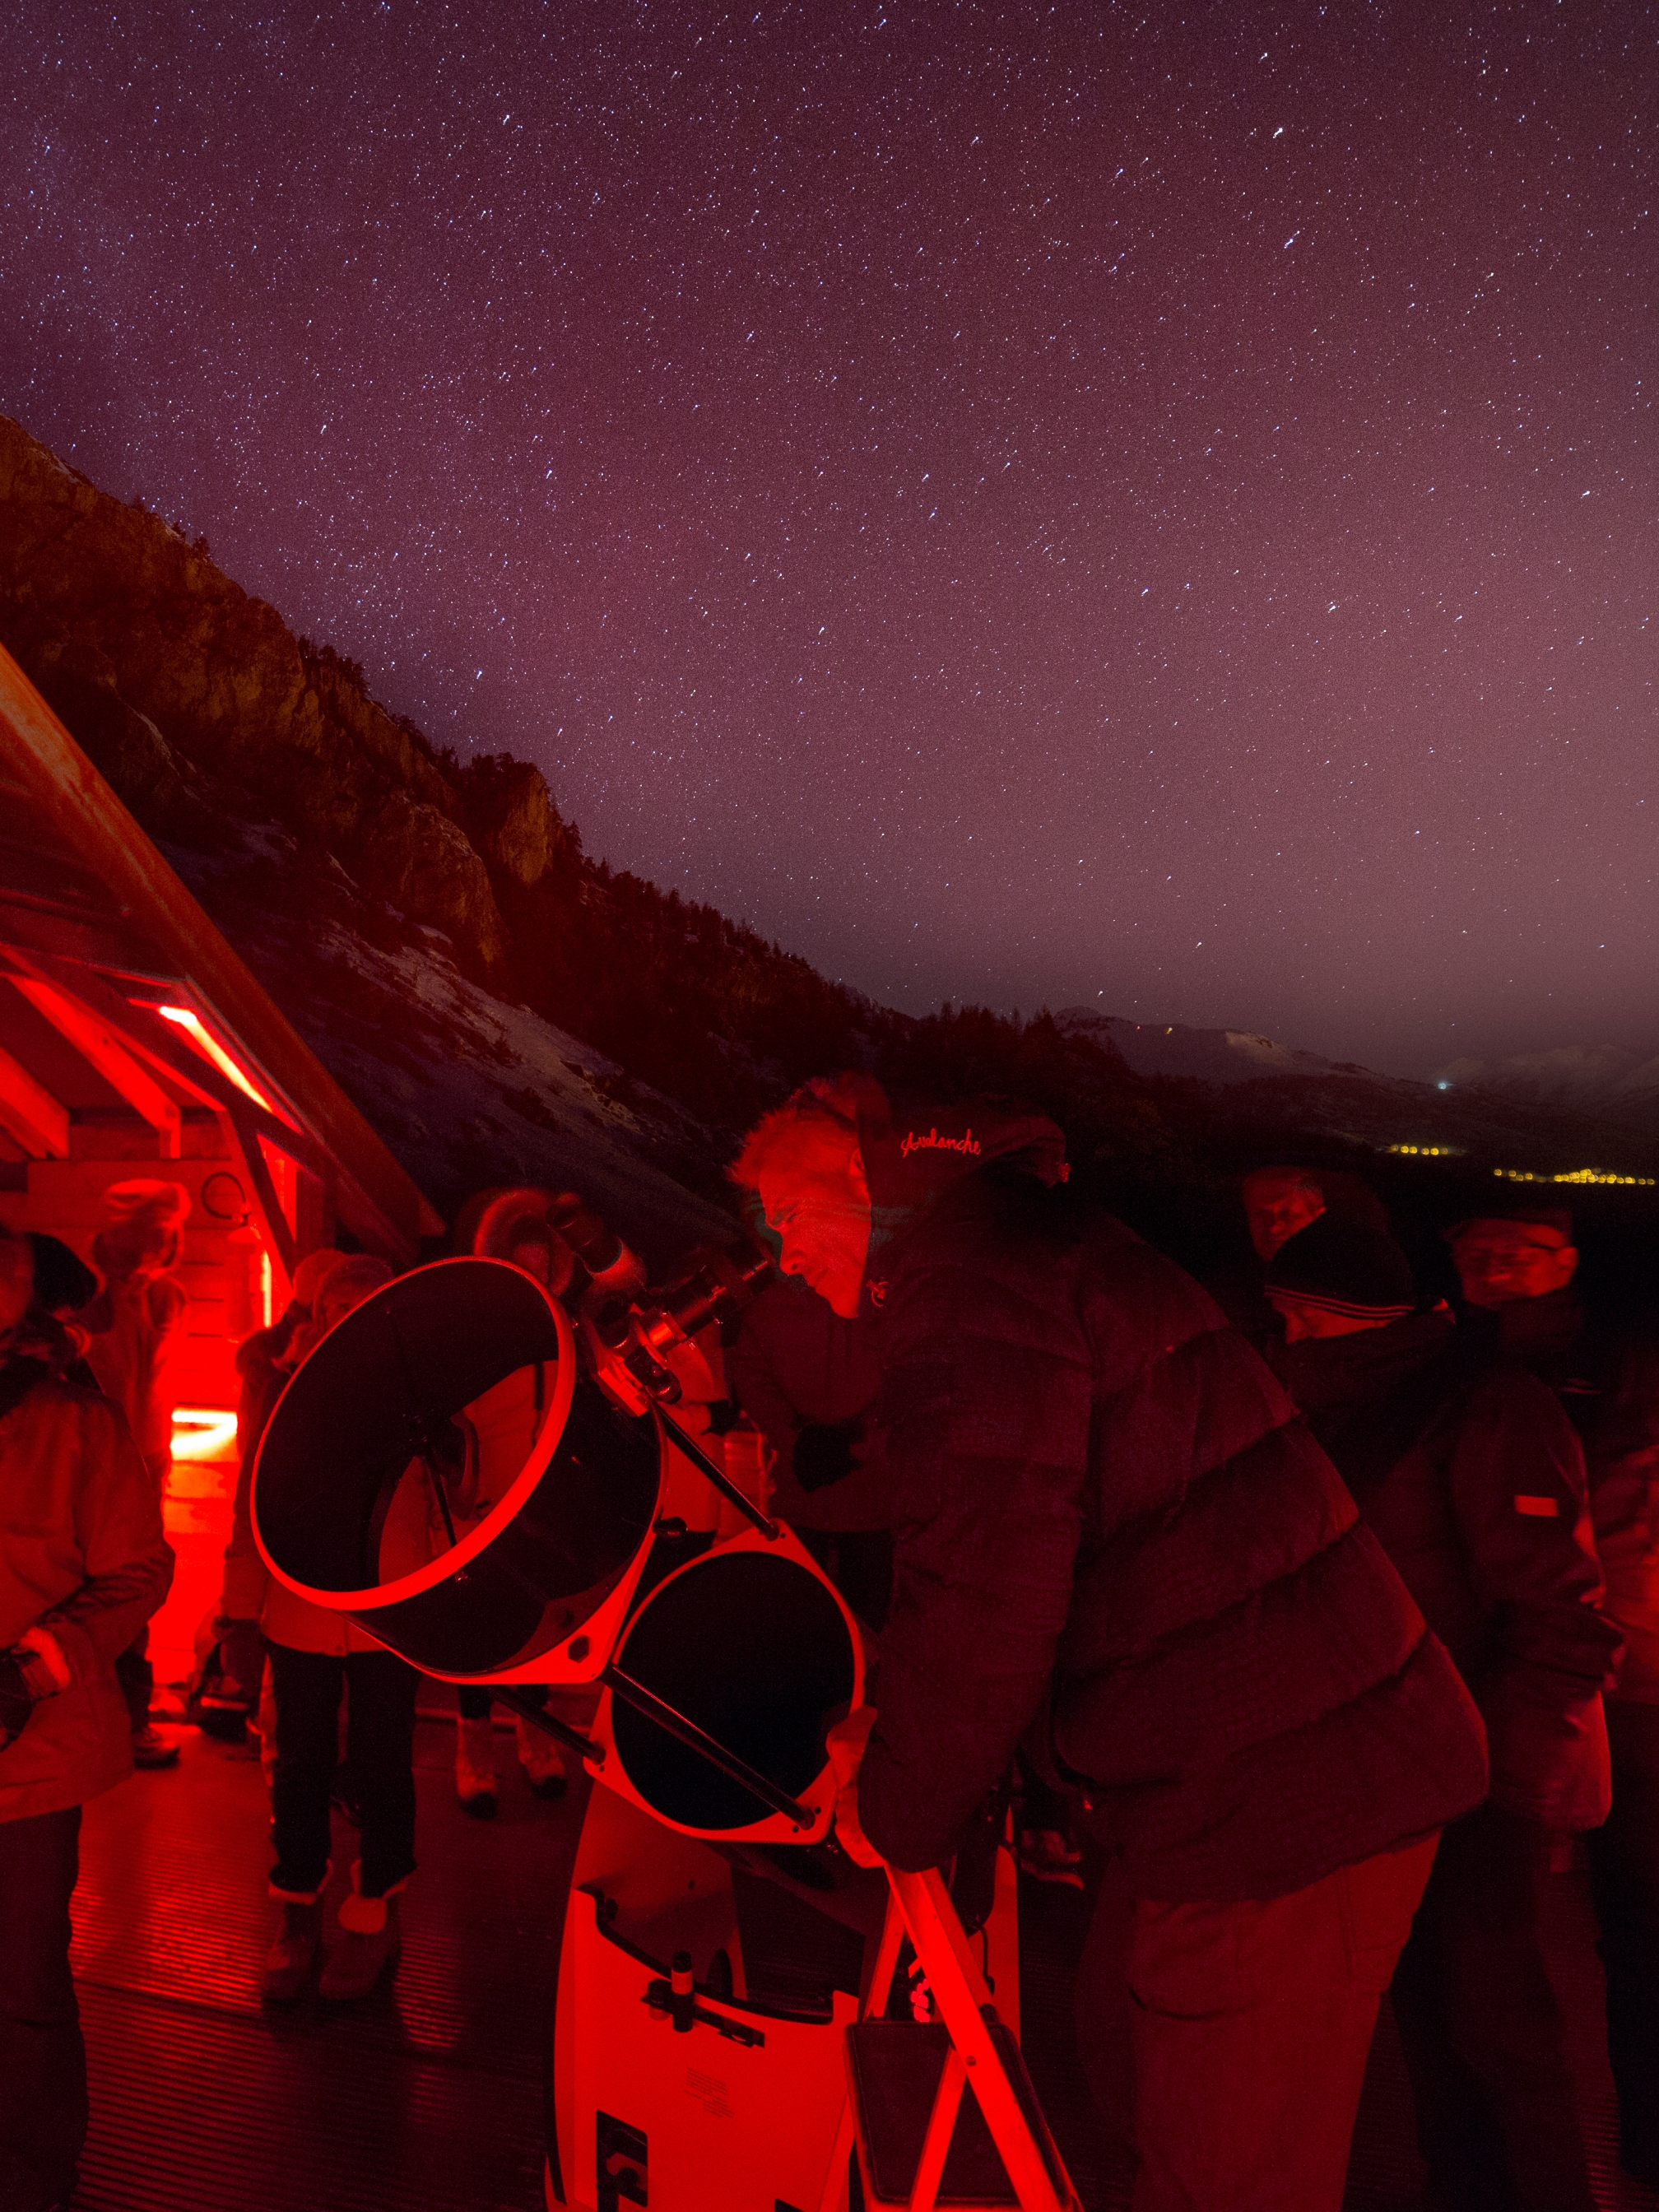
411,1420
753,1648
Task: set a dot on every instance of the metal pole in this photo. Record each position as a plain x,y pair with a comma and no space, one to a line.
520,1702
717,1476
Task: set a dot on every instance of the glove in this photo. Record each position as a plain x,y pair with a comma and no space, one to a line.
242,1653
16,1699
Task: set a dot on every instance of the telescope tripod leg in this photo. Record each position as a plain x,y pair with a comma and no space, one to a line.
872,2006
834,2180
919,1905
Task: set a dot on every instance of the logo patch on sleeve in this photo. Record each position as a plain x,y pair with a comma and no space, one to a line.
1546,1508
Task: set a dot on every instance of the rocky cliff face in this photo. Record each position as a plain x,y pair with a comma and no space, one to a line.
196,700
512,819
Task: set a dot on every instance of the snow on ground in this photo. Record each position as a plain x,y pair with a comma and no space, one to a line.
493,1091
468,1089
1193,1055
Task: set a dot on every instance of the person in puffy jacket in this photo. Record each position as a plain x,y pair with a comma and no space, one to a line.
1517,1265
1471,1478
135,1332
1115,1541
84,1564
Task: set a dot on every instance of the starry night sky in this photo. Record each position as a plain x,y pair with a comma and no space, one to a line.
1155,508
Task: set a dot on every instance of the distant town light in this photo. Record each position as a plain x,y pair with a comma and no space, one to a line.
1576,1175
1428,1152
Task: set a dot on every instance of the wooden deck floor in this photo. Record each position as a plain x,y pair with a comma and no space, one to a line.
428,2096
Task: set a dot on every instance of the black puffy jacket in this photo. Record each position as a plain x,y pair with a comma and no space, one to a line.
1469,1472
1106,1507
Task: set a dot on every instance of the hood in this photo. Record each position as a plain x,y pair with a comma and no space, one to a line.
914,1152
141,1226
513,1216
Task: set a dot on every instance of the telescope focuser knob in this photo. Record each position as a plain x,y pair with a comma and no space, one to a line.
677,1995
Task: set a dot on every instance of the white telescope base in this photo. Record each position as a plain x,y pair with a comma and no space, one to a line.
693,2122
699,2121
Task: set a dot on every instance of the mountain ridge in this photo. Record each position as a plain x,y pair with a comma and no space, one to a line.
309,819
504,1007
1181,1052
1611,1080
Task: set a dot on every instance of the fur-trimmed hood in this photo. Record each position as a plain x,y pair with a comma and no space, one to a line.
515,1217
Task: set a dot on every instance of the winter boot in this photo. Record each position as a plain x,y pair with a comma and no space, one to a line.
540,1758
288,1964
475,1767
1050,1855
369,1943
152,1749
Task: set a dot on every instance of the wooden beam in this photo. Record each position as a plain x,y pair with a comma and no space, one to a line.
155,1039
97,1042
262,1188
79,804
30,1115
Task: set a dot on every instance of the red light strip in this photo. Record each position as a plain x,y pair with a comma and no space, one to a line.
208,1046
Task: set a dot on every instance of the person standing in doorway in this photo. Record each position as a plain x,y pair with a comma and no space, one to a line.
135,1329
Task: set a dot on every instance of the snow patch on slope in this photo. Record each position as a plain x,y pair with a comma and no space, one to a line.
1606,1079
1195,1055
469,1089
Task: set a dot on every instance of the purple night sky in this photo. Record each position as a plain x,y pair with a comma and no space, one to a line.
1145,507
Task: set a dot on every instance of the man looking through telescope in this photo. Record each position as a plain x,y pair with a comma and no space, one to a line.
1115,1542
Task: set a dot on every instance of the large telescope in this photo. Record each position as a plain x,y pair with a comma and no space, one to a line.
501,1491
479,1483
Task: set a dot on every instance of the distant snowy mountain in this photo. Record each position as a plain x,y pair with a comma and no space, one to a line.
1561,1111
1160,1049
1605,1079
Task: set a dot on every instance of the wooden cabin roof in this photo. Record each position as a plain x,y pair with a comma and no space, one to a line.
97,935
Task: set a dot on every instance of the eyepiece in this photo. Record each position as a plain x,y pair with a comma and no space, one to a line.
597,1248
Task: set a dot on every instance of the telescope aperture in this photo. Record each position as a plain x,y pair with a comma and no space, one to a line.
437,1470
